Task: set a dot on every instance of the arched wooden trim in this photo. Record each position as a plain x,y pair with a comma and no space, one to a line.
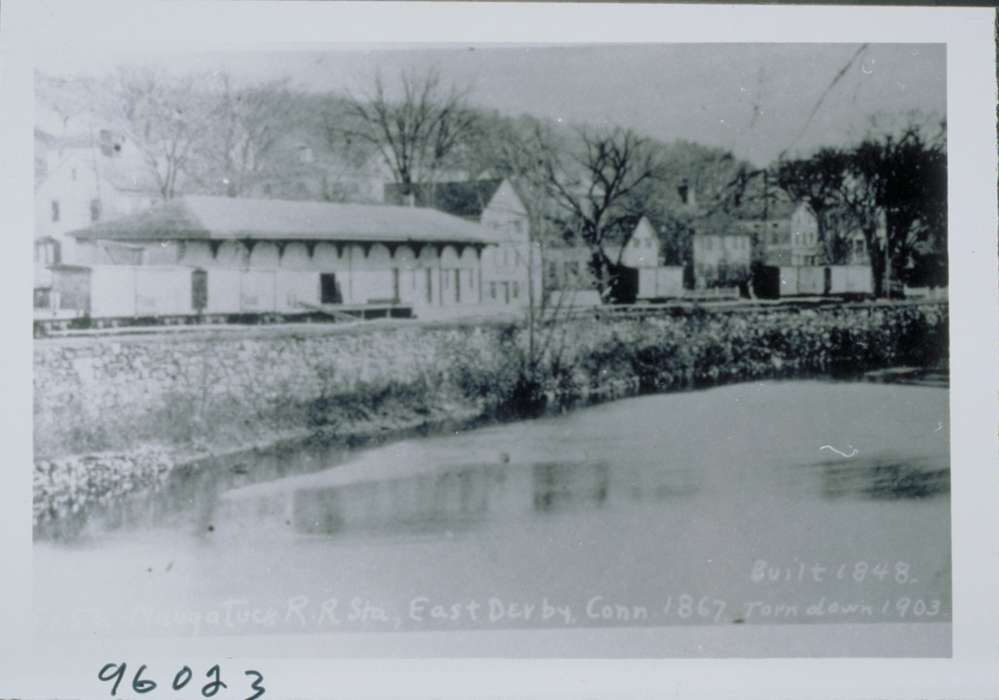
310,248
391,249
281,245
339,249
249,244
459,248
366,248
214,247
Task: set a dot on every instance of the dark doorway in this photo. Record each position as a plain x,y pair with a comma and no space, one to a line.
329,290
199,290
395,285
457,286
827,281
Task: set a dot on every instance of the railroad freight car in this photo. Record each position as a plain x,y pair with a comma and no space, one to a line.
123,291
660,282
825,280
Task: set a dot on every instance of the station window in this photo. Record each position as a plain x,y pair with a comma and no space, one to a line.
43,298
47,252
55,210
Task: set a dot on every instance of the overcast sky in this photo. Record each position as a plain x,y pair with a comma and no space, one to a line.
752,98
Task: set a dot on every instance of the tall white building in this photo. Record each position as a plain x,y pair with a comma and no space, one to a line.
84,174
510,268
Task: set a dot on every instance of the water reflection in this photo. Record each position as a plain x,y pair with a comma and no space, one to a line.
453,497
460,497
884,477
560,486
463,496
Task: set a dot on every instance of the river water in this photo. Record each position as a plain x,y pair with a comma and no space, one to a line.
791,503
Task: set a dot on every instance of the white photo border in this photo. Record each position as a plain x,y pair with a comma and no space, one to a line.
300,667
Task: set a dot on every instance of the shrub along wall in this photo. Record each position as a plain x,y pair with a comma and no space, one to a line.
185,396
707,348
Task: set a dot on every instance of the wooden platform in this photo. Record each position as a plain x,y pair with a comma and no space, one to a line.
319,313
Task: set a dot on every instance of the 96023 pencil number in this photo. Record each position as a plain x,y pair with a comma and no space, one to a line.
115,673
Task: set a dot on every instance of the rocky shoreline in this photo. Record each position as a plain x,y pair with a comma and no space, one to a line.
75,491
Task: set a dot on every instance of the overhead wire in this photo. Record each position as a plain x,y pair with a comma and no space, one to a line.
741,179
840,74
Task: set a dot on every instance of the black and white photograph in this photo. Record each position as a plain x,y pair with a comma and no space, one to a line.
499,350
389,340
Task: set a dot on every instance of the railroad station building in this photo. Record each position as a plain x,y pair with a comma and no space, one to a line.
230,255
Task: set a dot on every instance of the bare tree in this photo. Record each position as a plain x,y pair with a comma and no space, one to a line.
347,161
163,116
522,153
601,192
245,126
860,206
522,156
417,134
902,177
892,188
818,182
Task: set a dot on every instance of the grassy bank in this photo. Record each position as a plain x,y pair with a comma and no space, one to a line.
469,374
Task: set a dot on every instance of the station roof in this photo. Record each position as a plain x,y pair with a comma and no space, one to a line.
198,217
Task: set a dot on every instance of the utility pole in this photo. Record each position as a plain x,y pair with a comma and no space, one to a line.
766,193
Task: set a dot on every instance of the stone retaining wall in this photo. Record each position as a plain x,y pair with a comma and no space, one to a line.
99,393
